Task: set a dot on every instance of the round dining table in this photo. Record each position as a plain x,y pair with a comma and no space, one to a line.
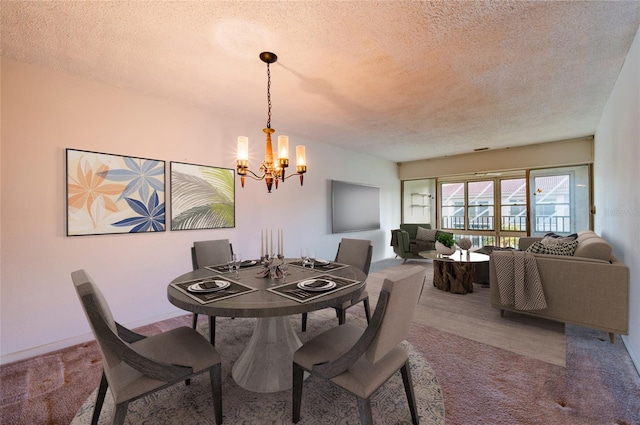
265,364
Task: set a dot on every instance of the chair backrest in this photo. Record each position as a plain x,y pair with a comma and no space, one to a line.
356,253
210,253
98,314
403,294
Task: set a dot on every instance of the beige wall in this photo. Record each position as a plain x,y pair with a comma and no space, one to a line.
616,171
44,112
563,153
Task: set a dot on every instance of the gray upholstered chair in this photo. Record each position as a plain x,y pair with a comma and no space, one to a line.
210,253
362,360
134,365
356,253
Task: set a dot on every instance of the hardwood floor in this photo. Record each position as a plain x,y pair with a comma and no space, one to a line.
471,316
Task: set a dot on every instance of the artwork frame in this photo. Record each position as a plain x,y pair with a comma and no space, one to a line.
202,196
114,194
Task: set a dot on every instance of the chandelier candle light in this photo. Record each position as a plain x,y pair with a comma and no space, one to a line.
266,243
270,170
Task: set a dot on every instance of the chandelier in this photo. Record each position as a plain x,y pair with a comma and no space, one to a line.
270,170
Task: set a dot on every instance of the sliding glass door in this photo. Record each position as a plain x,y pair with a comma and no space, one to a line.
559,200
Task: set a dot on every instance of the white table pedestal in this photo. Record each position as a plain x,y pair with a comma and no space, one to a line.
265,365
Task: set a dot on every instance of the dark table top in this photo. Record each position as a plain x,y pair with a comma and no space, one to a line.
261,298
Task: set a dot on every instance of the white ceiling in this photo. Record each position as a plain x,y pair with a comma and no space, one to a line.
401,80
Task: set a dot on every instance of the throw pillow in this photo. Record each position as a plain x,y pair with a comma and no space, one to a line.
568,248
427,235
425,238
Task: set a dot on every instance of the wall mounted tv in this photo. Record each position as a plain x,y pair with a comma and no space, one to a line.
354,207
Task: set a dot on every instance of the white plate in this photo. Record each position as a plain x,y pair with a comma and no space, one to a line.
248,263
219,284
322,262
317,285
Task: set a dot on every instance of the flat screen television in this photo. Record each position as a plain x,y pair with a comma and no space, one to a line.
354,207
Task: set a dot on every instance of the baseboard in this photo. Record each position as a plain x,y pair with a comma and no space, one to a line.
79,339
634,358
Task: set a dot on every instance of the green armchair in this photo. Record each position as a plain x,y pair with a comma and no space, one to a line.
405,246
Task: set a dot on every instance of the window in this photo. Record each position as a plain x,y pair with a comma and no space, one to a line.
467,205
499,208
513,204
559,200
480,211
453,205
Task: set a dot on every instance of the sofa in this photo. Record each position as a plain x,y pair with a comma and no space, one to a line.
589,288
407,244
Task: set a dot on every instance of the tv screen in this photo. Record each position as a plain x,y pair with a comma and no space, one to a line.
354,207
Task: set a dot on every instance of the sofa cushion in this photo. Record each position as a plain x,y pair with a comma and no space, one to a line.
568,248
594,247
587,234
551,240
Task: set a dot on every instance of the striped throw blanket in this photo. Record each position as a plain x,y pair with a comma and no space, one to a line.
519,282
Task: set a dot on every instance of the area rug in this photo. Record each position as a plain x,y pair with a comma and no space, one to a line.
322,402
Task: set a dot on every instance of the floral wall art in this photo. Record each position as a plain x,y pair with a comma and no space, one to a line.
109,193
202,197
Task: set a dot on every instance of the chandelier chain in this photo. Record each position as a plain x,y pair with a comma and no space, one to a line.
268,96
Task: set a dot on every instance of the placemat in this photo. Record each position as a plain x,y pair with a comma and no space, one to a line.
233,290
320,266
224,268
290,290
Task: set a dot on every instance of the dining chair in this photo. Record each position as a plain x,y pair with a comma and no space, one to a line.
356,253
210,253
361,360
134,365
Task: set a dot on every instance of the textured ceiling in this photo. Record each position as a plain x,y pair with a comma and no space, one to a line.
401,80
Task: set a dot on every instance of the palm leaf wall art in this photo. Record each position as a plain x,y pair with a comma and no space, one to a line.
109,193
202,197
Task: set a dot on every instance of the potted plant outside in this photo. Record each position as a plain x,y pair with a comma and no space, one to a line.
445,244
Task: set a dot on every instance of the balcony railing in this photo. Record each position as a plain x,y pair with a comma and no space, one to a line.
516,223
554,223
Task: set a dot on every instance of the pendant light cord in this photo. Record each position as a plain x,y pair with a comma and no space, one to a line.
268,96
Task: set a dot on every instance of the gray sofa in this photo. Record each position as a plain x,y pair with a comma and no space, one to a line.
590,288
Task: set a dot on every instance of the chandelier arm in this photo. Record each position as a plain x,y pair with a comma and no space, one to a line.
291,175
254,176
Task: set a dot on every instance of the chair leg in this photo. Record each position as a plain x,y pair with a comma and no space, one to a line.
215,375
342,316
102,391
121,412
298,375
408,388
367,309
212,330
304,322
364,407
612,337
194,321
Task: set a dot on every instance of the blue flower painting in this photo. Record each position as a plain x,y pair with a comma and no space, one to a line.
109,193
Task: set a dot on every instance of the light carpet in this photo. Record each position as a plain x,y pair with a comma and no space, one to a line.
322,402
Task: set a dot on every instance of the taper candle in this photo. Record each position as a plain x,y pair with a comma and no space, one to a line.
271,242
261,243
